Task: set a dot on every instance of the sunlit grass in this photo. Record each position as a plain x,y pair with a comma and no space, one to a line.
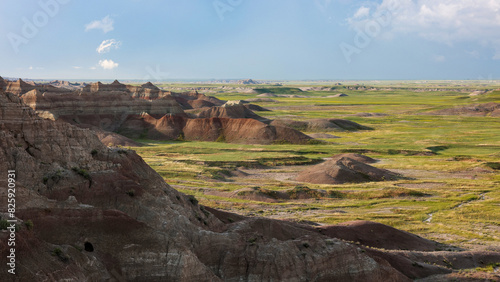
444,156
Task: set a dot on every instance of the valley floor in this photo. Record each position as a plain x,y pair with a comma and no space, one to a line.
451,190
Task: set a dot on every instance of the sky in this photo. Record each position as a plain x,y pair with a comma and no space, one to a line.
159,40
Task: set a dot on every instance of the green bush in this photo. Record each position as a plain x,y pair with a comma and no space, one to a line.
281,142
316,142
4,224
493,165
29,224
82,172
221,139
181,137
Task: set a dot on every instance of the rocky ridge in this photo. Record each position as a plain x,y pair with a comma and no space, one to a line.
147,112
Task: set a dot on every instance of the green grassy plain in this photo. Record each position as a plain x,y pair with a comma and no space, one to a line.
443,157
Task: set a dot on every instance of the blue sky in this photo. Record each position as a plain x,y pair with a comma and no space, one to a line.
261,39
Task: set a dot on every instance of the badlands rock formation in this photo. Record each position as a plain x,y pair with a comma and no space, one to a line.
345,169
147,112
102,214
321,125
488,109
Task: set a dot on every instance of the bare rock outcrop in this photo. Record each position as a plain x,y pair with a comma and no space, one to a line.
344,170
321,125
231,130
230,110
195,100
356,157
101,106
378,235
246,81
488,109
147,112
67,84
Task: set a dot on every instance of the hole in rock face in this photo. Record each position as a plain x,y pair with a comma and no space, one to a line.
88,247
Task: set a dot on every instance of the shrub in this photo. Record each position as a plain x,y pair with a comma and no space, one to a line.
29,224
4,224
59,253
493,165
315,142
281,142
181,137
82,172
192,200
221,138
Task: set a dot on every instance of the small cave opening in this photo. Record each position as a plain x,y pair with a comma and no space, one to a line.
88,247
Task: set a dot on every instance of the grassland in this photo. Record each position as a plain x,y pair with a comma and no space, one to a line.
452,190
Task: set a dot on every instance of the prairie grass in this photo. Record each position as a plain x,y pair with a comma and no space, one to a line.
449,162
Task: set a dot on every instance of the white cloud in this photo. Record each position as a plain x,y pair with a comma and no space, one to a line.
106,24
107,45
108,64
439,58
30,68
77,67
93,68
444,21
362,12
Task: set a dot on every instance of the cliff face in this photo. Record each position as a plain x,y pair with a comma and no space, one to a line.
101,213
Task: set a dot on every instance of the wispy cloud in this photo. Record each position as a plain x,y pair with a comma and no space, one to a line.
362,12
107,45
444,21
77,67
106,24
439,58
108,64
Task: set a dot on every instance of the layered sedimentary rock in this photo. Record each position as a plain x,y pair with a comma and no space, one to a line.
487,109
103,109
147,112
20,87
232,130
344,170
195,100
230,110
100,214
322,125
